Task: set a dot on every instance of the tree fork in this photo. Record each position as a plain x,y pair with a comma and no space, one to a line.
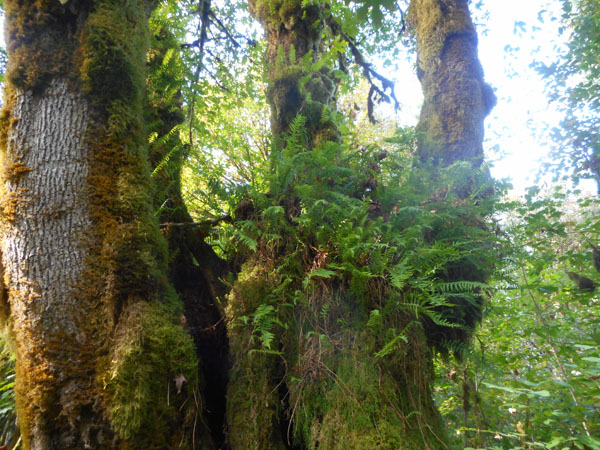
307,397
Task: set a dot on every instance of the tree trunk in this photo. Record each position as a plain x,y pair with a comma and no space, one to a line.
101,353
456,99
451,130
195,271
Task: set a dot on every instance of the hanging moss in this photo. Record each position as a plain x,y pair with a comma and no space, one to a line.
40,41
344,396
151,349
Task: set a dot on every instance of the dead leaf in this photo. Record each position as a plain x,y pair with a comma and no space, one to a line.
179,380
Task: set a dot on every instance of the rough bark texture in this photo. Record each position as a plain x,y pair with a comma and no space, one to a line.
95,322
46,216
456,99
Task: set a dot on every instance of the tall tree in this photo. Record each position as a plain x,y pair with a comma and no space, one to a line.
102,358
450,130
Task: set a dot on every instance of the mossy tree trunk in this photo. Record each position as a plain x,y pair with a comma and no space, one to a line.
294,42
256,413
456,99
450,131
101,352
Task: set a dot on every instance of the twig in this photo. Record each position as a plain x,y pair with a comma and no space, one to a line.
222,26
377,93
204,8
209,222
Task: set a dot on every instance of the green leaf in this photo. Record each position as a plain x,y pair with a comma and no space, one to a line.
556,440
590,441
321,273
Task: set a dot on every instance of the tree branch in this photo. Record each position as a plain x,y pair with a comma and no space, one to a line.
378,91
204,223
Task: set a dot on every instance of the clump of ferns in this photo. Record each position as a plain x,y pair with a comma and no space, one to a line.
385,237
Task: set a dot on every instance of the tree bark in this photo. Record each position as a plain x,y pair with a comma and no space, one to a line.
293,35
101,353
195,270
451,130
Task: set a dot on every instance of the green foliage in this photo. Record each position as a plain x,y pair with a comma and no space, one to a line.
375,223
9,431
532,380
573,81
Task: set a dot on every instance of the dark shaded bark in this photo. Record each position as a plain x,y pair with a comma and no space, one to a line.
195,271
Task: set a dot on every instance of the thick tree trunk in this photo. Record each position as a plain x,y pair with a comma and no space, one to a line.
46,220
256,396
101,353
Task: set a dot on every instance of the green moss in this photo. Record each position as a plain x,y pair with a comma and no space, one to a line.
151,351
278,11
131,345
113,40
133,251
252,399
40,41
432,26
363,402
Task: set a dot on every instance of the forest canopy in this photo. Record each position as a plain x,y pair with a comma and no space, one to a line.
215,232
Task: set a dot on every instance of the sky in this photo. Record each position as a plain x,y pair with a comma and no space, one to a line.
511,37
